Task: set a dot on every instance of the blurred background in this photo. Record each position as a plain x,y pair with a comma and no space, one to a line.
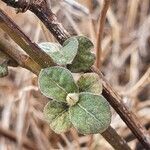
125,64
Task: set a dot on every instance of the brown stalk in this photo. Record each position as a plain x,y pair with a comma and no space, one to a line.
116,141
42,11
100,33
22,59
108,92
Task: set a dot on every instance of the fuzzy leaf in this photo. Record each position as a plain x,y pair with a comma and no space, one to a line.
84,58
56,114
3,64
61,55
56,83
49,47
91,114
90,82
3,70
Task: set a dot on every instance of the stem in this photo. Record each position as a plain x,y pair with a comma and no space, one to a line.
100,33
108,92
24,42
15,53
49,19
112,137
12,136
42,11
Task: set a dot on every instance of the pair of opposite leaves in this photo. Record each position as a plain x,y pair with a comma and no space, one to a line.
74,104
75,53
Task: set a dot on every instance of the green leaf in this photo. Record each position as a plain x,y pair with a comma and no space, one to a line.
90,82
56,114
56,83
84,58
91,114
61,55
49,47
3,70
70,49
3,64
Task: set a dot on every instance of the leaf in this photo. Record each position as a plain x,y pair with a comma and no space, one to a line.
3,70
3,64
91,114
90,82
61,55
56,83
49,47
84,58
56,114
70,49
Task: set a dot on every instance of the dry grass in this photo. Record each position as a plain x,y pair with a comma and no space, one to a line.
125,63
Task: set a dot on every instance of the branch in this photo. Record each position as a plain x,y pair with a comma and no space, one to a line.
108,92
14,52
24,42
100,33
111,136
42,11
12,136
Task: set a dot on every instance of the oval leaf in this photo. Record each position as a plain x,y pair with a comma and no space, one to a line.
56,83
56,114
61,55
90,82
91,114
84,58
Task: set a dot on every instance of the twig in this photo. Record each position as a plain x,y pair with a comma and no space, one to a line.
22,59
24,42
116,141
130,137
42,11
12,136
100,33
113,98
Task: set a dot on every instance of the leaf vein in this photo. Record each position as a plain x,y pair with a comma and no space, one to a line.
89,113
